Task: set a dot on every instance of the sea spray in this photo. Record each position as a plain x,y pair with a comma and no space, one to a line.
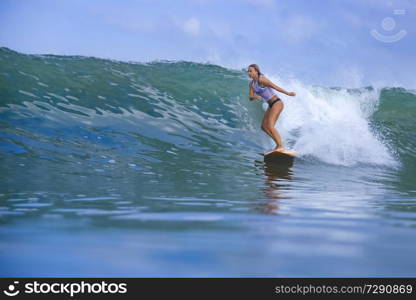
332,124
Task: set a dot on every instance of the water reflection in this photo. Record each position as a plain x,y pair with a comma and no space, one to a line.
278,172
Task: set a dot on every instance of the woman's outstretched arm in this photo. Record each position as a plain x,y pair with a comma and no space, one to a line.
265,81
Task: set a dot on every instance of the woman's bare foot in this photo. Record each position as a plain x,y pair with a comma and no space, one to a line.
280,149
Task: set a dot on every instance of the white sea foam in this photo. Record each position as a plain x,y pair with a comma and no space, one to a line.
332,125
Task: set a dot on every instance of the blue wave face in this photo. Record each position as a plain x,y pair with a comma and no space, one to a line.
186,105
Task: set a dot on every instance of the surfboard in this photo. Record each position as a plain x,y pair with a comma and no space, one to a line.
275,155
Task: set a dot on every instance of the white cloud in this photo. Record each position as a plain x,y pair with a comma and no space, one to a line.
263,3
192,26
141,25
220,29
352,18
124,18
298,28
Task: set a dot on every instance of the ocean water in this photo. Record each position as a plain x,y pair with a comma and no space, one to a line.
115,169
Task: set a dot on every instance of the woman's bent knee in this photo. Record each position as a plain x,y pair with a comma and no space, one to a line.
268,128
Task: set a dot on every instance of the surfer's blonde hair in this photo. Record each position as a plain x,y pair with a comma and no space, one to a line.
255,67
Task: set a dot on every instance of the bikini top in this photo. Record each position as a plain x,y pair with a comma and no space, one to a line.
265,92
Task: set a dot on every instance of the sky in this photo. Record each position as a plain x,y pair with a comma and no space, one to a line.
350,43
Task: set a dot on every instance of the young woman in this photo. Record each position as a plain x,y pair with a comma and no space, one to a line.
261,88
